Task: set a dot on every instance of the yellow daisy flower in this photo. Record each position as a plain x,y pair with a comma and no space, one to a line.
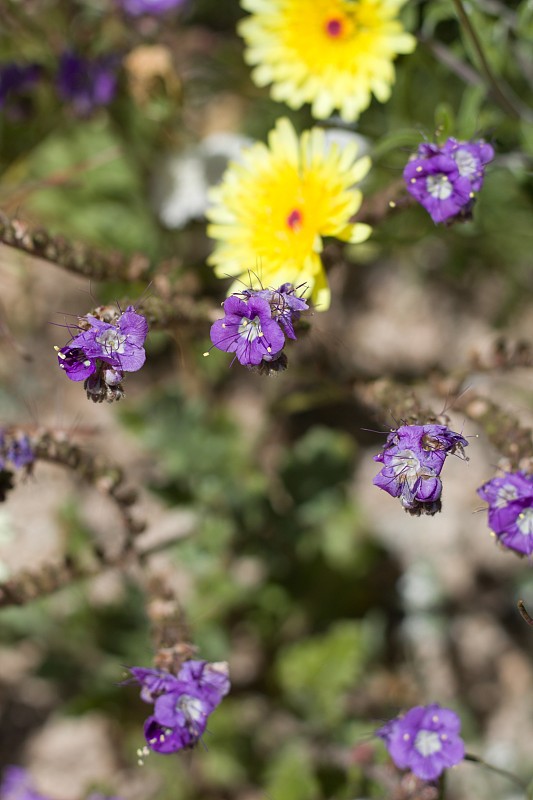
271,211
332,53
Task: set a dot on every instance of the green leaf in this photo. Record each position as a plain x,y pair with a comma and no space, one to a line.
290,775
315,673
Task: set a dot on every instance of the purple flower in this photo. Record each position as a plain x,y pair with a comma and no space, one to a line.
255,326
87,84
248,330
285,305
470,158
15,82
16,785
182,702
437,185
103,351
120,345
510,512
412,458
425,740
153,7
153,682
19,451
444,179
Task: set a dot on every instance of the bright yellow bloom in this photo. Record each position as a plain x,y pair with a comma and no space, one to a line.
271,212
332,53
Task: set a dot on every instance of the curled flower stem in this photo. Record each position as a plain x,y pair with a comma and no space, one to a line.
503,772
72,256
524,613
501,96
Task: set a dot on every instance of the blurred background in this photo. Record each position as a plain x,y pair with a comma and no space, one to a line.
334,608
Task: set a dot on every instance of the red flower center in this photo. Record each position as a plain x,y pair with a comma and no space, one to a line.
334,27
294,220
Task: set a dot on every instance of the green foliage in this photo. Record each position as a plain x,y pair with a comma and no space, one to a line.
315,673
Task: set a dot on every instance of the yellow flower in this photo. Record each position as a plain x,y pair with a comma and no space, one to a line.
332,53
271,212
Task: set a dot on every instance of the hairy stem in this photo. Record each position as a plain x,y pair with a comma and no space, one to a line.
501,95
503,772
72,256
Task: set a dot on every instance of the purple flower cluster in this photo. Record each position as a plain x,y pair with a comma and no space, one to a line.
85,83
256,323
412,458
425,740
444,179
16,83
510,511
110,344
182,702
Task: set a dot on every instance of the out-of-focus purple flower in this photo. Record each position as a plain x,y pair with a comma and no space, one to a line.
248,330
15,450
425,740
153,682
16,82
437,185
19,450
103,351
16,785
412,458
444,179
85,83
471,159
150,7
510,512
182,702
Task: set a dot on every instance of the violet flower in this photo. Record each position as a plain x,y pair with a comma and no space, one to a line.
412,458
255,326
510,511
16,785
425,740
182,702
103,351
444,179
248,330
150,7
86,84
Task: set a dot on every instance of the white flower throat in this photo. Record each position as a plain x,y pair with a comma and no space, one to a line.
427,743
111,340
439,186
